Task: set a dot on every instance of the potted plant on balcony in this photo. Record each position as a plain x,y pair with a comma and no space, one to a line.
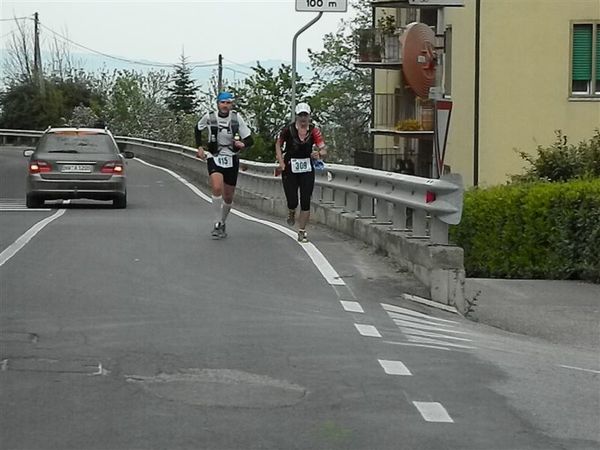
389,36
369,49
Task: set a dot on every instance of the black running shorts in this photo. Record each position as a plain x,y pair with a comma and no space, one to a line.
230,174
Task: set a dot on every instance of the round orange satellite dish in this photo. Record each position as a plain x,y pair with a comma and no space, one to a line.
419,58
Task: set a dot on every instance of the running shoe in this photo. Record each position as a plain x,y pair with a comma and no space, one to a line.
216,232
222,231
291,218
302,237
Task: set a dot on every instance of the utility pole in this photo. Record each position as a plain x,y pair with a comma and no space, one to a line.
37,54
220,82
36,46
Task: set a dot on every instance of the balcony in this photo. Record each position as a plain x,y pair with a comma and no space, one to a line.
377,50
401,115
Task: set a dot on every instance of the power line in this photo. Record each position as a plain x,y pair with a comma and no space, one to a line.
237,71
16,18
238,64
131,61
143,63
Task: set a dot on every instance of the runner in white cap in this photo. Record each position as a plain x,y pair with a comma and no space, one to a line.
296,157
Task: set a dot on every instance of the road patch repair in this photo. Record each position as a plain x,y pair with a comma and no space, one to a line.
221,387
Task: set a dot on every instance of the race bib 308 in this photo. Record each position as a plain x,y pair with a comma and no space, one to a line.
300,165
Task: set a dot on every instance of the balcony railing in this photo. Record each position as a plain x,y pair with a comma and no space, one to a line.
402,115
388,159
368,45
377,49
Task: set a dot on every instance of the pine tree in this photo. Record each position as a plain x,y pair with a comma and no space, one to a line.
182,96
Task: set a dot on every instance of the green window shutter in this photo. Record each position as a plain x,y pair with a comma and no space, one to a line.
582,52
598,53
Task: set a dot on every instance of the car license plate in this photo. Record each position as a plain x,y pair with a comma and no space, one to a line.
76,168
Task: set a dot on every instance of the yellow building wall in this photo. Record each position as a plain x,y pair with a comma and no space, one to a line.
459,146
524,83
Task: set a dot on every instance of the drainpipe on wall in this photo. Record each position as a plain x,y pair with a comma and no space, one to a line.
476,96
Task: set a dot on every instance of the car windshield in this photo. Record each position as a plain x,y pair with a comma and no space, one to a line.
76,142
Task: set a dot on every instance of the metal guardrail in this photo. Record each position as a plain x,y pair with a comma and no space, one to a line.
420,206
19,136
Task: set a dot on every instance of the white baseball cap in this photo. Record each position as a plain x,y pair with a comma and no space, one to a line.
302,108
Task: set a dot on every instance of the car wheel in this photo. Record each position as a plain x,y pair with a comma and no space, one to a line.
34,202
120,202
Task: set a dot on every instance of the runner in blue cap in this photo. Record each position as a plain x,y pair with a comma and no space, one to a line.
224,96
227,135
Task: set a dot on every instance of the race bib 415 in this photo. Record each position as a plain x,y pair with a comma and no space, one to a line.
224,161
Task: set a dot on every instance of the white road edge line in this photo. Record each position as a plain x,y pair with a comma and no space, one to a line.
13,248
318,259
579,368
433,412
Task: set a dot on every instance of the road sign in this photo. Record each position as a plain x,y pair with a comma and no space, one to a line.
322,5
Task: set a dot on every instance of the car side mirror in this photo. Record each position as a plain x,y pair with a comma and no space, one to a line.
128,155
27,152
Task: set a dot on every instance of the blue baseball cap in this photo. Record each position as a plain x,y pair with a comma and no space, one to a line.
225,96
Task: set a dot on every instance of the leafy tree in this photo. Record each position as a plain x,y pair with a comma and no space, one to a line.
135,110
342,98
26,106
264,99
182,95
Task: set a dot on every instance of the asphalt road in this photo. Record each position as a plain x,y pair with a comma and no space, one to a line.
132,329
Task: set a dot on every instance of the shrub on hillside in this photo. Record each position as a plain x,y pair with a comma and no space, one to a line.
533,230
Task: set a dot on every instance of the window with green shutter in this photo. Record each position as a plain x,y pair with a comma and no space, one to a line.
598,58
585,59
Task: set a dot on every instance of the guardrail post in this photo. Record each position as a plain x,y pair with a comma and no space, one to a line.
327,195
352,202
399,216
339,198
438,231
419,222
382,214
365,203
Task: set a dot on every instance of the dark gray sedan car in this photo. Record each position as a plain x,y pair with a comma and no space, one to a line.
70,163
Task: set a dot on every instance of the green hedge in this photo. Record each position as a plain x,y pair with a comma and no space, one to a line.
535,230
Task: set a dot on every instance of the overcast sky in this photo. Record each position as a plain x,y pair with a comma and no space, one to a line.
241,30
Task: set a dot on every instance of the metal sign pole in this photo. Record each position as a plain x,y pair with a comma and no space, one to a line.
300,31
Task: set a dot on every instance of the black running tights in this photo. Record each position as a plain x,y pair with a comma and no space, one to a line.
292,182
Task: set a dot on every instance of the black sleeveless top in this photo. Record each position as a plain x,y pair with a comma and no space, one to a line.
294,147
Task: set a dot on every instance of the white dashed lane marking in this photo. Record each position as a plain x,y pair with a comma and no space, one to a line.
394,367
433,412
352,306
367,330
